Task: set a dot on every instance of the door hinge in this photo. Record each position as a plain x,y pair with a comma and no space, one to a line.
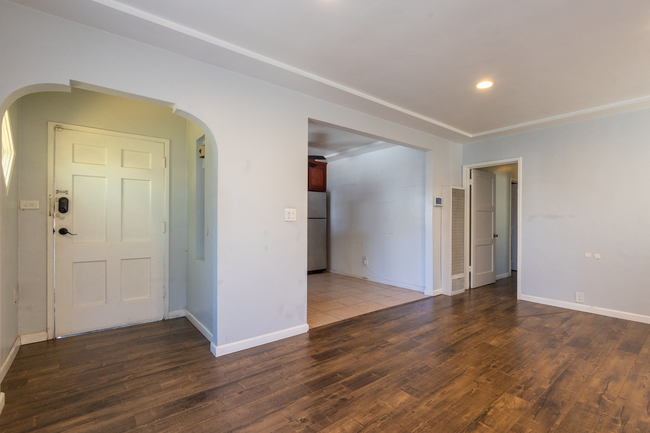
164,227
58,128
469,268
471,182
164,162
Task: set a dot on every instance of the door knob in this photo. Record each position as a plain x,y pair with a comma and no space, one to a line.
64,231
496,235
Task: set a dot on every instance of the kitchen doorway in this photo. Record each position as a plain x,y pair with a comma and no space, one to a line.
372,206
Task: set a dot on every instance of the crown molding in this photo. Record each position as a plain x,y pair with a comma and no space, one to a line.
259,57
446,131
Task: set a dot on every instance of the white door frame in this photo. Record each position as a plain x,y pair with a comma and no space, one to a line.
50,212
466,177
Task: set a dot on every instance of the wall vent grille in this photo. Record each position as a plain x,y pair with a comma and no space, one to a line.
453,240
457,231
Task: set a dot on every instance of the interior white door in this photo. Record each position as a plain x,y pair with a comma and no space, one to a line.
111,271
482,229
514,198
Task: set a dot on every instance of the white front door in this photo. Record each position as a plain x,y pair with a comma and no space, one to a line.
109,271
482,229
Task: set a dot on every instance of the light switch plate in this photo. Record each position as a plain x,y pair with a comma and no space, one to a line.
290,214
28,204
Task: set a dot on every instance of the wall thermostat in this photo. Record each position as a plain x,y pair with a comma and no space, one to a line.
437,201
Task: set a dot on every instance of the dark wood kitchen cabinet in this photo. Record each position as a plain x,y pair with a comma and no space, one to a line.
317,179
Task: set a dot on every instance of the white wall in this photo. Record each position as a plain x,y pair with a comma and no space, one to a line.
199,271
376,209
582,193
259,132
84,108
502,213
9,245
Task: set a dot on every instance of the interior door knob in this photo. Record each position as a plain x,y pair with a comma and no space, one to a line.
496,235
64,231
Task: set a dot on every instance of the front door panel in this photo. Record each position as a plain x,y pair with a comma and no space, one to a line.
109,269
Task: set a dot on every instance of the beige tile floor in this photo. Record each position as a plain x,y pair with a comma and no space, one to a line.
333,297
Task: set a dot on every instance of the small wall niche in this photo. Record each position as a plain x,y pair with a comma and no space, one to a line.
200,199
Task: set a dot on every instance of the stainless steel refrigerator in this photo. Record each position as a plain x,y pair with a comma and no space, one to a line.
317,231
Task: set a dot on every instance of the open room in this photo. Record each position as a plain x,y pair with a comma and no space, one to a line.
369,251
324,216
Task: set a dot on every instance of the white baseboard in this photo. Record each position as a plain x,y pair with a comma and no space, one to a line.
200,326
381,281
2,401
236,346
506,275
433,292
176,313
36,337
588,309
10,359
621,315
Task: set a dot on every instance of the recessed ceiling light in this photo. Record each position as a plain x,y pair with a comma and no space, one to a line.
484,84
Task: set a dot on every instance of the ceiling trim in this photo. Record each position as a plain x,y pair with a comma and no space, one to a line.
565,116
113,4
256,56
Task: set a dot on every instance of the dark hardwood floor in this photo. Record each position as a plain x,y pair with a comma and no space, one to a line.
479,362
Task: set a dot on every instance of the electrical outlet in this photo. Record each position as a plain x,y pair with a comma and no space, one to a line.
365,260
580,297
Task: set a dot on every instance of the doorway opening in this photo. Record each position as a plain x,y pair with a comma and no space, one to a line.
107,213
514,227
493,227
366,224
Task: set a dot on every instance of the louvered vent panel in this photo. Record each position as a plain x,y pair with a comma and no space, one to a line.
457,232
458,284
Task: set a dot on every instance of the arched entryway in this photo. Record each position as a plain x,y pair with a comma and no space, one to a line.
187,205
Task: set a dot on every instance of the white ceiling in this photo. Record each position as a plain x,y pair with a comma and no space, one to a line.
335,144
416,63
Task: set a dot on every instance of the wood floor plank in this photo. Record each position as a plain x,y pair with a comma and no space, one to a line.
500,416
477,362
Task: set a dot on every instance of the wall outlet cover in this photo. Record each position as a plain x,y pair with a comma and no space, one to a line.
290,214
580,297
